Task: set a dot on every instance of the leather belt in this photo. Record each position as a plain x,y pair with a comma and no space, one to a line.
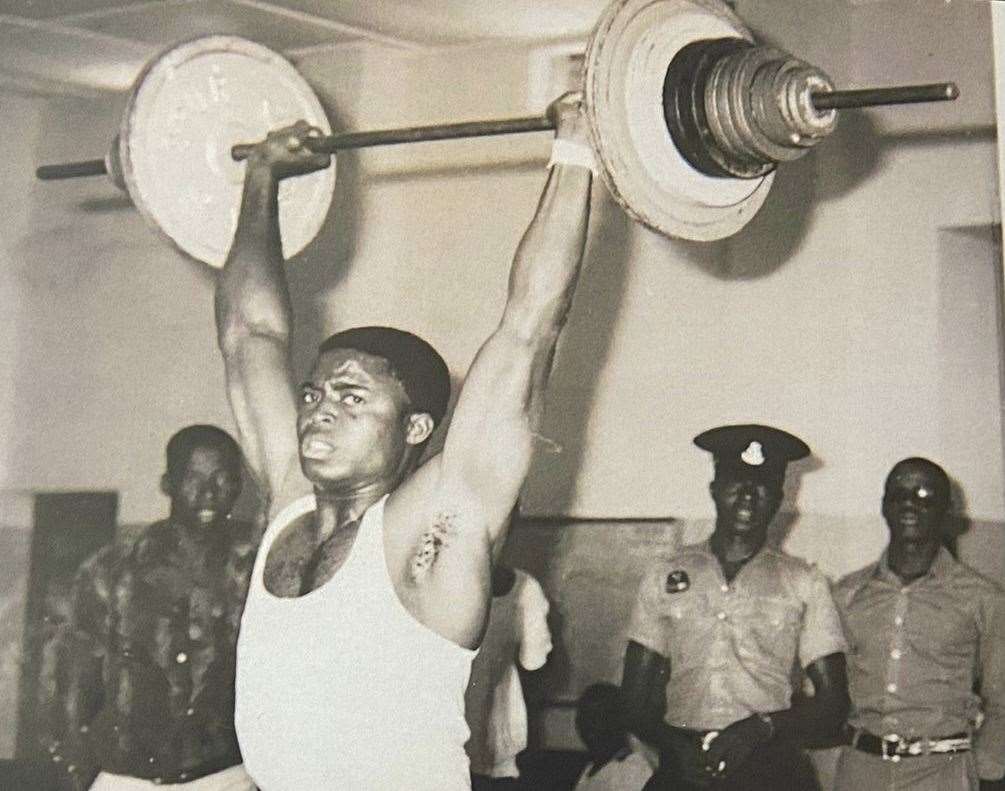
892,747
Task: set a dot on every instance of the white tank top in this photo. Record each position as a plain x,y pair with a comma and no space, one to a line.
342,689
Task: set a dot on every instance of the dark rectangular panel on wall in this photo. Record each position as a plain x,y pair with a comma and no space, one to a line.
68,527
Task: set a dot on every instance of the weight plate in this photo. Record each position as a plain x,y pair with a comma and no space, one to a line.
625,67
186,109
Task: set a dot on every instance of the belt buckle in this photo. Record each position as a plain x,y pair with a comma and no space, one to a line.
894,741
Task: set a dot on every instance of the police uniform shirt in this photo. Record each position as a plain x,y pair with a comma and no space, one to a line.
918,651
732,646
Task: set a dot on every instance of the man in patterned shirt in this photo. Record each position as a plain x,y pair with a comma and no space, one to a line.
926,659
139,685
717,629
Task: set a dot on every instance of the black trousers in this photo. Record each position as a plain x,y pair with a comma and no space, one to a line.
775,766
484,783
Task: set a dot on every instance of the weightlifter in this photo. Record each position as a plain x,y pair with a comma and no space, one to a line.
717,628
927,659
372,586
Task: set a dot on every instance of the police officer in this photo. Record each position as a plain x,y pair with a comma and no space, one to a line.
716,630
927,656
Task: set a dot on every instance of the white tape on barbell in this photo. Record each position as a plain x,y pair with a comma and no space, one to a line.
569,152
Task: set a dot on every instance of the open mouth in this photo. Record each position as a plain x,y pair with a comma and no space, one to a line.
314,447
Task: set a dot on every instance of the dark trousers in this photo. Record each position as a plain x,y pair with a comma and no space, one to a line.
775,766
484,783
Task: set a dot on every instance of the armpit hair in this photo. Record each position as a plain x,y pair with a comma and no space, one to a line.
432,543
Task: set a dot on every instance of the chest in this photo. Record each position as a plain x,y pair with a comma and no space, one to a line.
929,619
300,560
751,612
173,603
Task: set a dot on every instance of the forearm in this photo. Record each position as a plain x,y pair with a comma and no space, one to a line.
808,719
547,261
252,297
654,731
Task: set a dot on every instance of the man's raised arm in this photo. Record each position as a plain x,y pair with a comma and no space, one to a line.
253,314
488,447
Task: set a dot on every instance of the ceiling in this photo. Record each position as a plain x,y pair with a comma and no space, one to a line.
94,46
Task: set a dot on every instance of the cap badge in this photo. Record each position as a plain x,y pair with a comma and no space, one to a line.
677,582
753,455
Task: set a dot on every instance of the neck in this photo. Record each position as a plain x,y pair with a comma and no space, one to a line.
196,539
336,510
730,547
910,560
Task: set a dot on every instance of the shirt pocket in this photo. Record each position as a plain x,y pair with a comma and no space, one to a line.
688,615
685,606
773,625
946,631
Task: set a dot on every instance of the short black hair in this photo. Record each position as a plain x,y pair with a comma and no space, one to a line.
184,442
940,478
414,362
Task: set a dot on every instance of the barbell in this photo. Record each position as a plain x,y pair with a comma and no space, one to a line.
687,115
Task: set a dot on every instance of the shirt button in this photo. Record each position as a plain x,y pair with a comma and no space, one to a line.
190,712
183,776
151,759
895,653
891,687
724,588
898,621
721,615
181,658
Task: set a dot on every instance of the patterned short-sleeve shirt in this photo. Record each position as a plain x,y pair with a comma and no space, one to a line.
733,646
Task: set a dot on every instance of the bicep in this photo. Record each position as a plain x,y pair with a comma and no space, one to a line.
822,631
487,451
261,393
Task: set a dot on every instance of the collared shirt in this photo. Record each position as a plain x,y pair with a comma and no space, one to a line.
141,680
919,651
732,646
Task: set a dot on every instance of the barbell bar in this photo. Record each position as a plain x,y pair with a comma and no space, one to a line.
344,141
687,115
837,100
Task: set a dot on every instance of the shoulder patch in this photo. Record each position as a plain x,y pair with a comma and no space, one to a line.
677,582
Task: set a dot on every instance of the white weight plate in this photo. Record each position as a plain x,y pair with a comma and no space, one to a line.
186,109
625,67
